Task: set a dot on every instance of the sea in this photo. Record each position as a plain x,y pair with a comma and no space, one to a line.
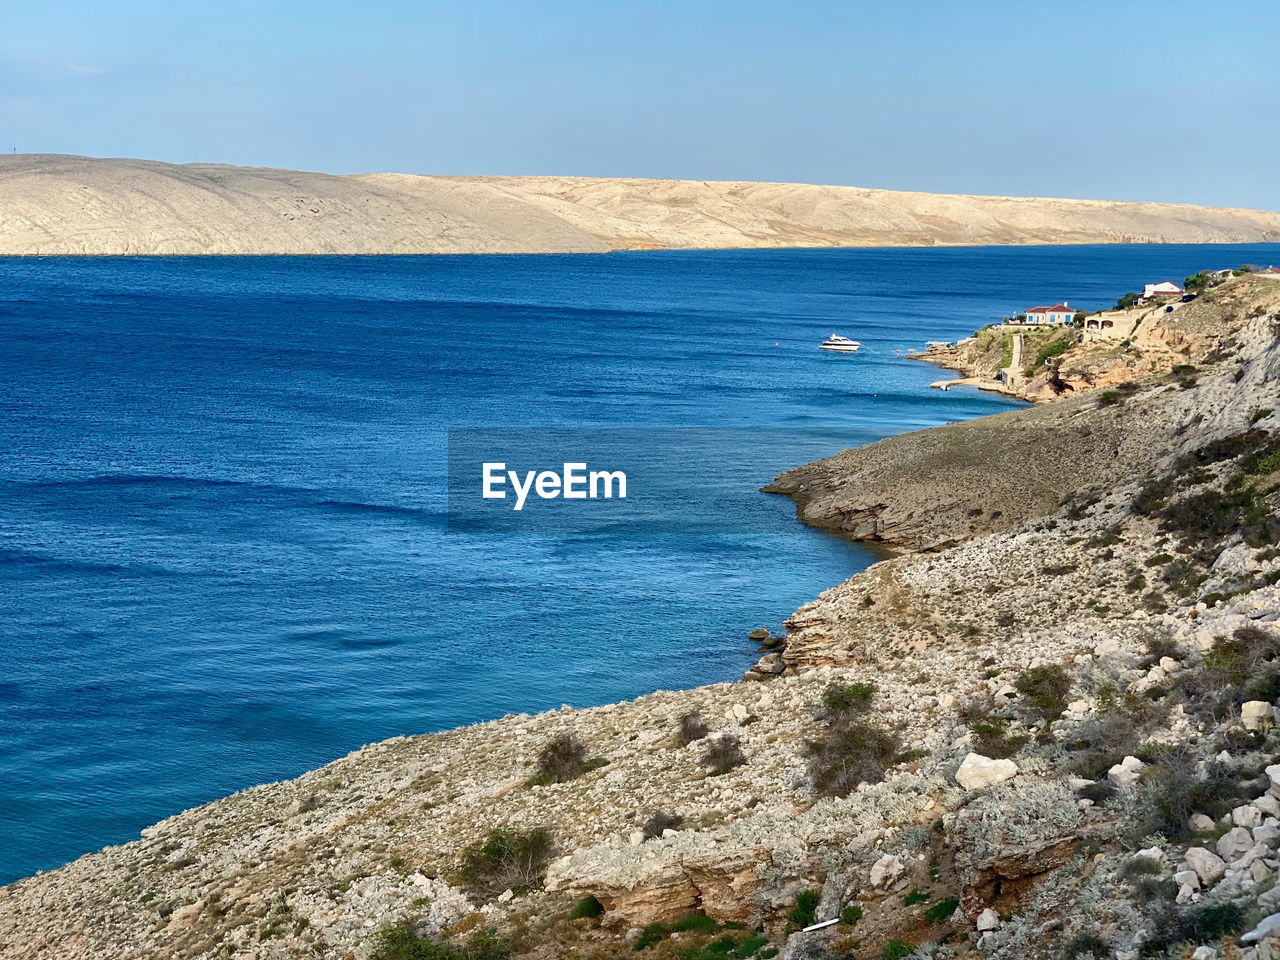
226,554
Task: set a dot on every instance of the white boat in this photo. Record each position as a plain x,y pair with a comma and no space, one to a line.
840,344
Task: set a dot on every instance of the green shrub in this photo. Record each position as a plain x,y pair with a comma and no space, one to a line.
1045,688
851,753
1196,925
941,910
401,942
803,913
652,935
1099,792
897,950
1108,398
695,923
851,914
991,738
507,859
914,897
1173,790
1054,348
843,698
1266,464
562,759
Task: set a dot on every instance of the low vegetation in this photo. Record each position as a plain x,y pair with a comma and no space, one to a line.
691,728
564,758
506,859
723,755
401,941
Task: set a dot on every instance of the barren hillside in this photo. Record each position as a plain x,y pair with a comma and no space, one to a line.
78,205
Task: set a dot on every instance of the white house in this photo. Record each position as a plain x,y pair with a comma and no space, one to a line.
1165,288
1058,313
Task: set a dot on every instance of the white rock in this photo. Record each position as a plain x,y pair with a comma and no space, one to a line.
1187,878
1151,853
1209,867
1247,816
1266,928
1006,691
739,712
1256,716
885,870
1265,833
1203,953
978,771
1199,823
946,701
987,920
1170,665
636,838
1273,774
1125,772
506,895
1234,842
1258,870
1268,805
1257,851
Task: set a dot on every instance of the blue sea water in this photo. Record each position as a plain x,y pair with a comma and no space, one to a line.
223,550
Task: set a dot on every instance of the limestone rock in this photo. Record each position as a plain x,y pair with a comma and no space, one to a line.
1208,866
1247,816
987,920
977,771
1257,716
886,870
1269,926
1234,842
1199,823
1126,772
1187,878
1273,774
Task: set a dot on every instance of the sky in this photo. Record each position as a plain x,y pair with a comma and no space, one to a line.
1166,101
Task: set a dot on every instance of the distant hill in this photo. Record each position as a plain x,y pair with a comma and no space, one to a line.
52,204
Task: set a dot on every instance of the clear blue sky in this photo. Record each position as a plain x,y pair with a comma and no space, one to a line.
1126,100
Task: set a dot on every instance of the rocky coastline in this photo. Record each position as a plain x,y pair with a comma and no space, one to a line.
1045,726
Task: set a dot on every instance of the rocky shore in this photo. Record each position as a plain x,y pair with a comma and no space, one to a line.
1108,348
1046,727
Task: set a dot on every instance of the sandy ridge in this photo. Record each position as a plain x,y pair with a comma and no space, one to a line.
53,204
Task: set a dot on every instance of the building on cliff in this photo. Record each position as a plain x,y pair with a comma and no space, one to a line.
1165,288
1058,313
